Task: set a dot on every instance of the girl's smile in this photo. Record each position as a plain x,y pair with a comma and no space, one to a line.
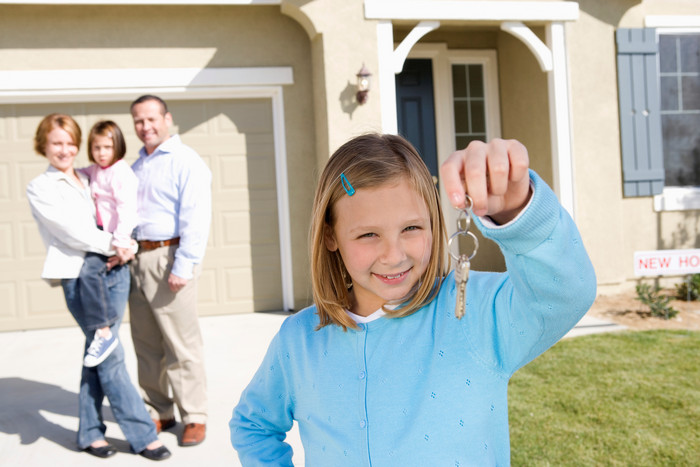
384,237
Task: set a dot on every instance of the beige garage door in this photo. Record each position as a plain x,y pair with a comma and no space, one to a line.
241,270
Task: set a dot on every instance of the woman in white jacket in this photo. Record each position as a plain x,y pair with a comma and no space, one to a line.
65,214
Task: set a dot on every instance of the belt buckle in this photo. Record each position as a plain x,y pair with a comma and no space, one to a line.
162,243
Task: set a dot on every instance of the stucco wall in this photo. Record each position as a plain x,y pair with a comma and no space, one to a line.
78,37
614,227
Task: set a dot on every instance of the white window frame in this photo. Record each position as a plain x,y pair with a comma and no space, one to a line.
675,198
443,59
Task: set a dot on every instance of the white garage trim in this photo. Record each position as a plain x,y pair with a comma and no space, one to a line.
41,86
142,2
46,86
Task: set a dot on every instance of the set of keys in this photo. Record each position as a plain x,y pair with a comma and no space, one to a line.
462,265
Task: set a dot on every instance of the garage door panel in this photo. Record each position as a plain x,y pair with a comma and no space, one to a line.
207,287
236,228
8,298
4,181
43,300
239,284
244,116
261,174
31,246
233,173
6,241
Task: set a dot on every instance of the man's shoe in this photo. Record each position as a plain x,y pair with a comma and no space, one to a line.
99,349
157,454
194,434
163,424
102,451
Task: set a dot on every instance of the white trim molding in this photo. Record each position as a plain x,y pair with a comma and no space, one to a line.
469,10
511,15
662,21
536,46
399,55
25,86
387,83
560,118
142,2
443,59
101,85
675,198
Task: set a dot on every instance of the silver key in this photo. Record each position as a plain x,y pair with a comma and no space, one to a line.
461,278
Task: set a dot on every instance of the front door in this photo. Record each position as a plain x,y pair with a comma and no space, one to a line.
416,109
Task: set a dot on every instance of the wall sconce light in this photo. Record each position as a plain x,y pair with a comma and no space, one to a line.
363,83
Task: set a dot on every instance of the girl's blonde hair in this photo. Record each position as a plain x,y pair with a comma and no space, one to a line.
369,161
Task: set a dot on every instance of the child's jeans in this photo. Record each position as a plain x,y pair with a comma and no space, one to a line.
98,310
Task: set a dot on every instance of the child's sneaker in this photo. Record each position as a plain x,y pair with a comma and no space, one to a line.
99,349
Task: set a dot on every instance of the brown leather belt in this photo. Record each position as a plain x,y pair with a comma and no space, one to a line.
147,245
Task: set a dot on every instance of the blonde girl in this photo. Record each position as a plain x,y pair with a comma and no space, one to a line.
379,371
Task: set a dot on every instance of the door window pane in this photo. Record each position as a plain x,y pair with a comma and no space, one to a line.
469,103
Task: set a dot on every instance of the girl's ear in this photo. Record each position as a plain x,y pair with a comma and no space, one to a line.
329,239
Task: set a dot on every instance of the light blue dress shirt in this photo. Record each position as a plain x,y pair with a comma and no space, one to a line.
174,200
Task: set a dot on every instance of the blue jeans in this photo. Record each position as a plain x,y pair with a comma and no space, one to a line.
98,310
109,378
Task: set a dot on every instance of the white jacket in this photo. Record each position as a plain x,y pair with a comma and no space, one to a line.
65,214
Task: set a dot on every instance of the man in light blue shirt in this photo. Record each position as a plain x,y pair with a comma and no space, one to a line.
174,215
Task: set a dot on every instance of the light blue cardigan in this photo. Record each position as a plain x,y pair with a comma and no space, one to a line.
427,389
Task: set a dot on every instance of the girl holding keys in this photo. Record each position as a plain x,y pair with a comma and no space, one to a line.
379,371
113,186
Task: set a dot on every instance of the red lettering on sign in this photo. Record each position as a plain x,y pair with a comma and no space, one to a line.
692,261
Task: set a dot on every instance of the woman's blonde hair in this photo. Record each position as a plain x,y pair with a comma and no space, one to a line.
369,161
51,121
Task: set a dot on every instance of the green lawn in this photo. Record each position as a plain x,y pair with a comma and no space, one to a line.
630,398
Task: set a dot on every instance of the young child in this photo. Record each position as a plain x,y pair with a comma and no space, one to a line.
113,186
379,371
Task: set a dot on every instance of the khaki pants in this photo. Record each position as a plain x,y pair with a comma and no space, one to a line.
167,339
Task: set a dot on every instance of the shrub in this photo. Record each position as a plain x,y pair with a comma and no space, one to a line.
657,303
689,290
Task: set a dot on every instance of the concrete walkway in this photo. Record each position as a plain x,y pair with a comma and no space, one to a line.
39,381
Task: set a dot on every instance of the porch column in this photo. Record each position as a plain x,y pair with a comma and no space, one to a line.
560,117
387,80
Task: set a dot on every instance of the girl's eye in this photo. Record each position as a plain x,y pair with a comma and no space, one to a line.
367,235
412,227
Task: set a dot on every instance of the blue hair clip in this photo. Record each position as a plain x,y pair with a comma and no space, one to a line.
346,185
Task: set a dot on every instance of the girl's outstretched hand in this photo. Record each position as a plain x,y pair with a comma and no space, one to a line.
494,174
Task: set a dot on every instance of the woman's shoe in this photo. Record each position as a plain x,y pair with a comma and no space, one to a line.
157,454
102,451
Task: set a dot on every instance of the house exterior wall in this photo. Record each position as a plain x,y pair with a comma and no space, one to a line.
614,227
51,37
326,42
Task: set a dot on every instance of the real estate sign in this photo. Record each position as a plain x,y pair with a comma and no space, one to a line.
666,262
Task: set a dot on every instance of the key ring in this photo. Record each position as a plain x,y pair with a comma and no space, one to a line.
464,221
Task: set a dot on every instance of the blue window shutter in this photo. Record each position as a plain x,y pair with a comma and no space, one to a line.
640,112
